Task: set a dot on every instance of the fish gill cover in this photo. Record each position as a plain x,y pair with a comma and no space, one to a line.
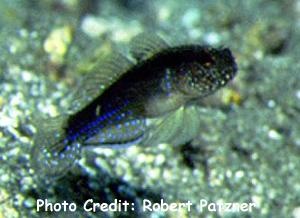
146,101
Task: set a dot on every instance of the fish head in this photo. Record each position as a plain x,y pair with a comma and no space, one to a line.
209,70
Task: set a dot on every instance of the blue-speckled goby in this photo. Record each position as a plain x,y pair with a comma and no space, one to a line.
143,102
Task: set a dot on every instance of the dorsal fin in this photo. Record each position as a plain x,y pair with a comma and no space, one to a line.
105,74
144,45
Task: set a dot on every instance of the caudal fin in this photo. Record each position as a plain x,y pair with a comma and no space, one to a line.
52,154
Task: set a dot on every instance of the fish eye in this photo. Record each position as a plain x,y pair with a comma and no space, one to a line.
207,58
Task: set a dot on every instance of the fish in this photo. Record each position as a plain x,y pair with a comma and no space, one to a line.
144,100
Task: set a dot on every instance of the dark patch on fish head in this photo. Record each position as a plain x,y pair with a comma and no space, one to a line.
208,71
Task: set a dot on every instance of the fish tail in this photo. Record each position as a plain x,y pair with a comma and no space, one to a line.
52,154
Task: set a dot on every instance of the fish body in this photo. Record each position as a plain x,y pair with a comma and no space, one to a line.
145,103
